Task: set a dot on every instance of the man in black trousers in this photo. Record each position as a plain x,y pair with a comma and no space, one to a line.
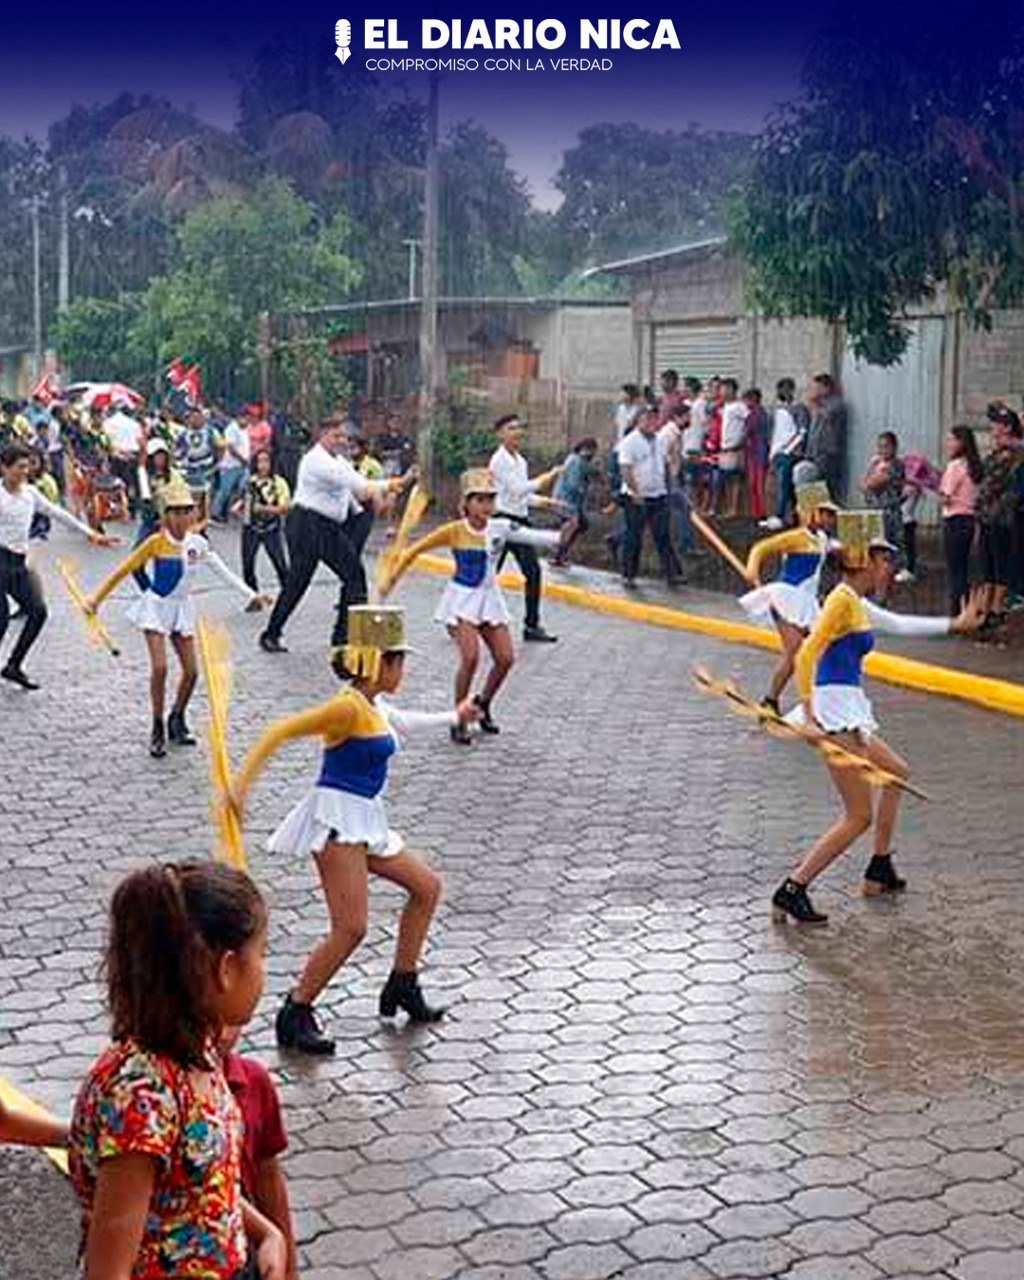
327,493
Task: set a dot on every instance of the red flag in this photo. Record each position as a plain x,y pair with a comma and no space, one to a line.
175,372
191,384
44,390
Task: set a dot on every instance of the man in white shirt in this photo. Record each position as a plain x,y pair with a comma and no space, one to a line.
127,438
672,431
643,458
232,470
789,436
516,493
328,489
729,477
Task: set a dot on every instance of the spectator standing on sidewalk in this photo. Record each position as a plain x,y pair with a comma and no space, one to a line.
757,439
232,470
671,431
958,490
999,499
732,448
643,459
790,422
631,405
826,437
882,485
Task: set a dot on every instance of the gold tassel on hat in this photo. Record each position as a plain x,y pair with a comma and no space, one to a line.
360,661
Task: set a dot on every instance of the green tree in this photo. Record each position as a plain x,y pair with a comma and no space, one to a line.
629,189
238,258
93,337
902,167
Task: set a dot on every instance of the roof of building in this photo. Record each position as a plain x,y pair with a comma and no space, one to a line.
412,304
644,260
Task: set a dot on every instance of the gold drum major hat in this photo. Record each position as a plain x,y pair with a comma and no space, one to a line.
477,482
373,630
177,495
811,497
858,534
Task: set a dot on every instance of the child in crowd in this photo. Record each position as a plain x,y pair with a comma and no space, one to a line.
156,1137
958,490
883,485
920,478
571,491
263,1180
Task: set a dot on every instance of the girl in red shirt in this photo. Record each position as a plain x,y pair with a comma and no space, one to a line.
155,1150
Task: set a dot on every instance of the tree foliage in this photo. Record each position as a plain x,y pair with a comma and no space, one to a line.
629,189
899,170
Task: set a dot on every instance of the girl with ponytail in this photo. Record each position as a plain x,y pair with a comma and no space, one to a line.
156,1137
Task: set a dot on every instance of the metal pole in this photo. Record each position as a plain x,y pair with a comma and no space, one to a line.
37,291
428,279
413,245
63,244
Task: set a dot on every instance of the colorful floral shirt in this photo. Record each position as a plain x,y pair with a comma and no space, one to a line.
134,1101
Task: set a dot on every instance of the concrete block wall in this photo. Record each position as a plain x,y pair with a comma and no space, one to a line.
990,365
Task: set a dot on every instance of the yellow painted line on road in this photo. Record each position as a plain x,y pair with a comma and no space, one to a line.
12,1097
908,673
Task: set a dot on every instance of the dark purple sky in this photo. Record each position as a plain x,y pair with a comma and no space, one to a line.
738,59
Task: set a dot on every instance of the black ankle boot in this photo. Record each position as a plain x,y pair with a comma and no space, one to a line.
487,725
771,705
178,731
881,877
297,1028
461,735
157,740
402,991
790,899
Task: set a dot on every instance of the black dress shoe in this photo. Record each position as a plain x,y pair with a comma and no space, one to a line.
297,1028
178,731
790,901
271,644
881,877
402,991
157,740
538,635
485,722
18,677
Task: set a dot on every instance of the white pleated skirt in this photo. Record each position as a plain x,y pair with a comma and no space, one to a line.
483,604
796,605
167,615
839,708
328,814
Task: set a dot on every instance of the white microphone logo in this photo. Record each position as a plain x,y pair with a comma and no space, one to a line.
343,38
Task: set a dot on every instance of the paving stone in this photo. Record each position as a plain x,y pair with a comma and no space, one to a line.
639,1076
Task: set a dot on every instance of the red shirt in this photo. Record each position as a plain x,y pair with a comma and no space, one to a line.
257,1100
261,435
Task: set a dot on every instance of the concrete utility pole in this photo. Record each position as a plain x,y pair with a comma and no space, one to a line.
428,292
412,246
37,291
63,243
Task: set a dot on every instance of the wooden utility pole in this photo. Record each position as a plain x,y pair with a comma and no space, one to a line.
428,290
